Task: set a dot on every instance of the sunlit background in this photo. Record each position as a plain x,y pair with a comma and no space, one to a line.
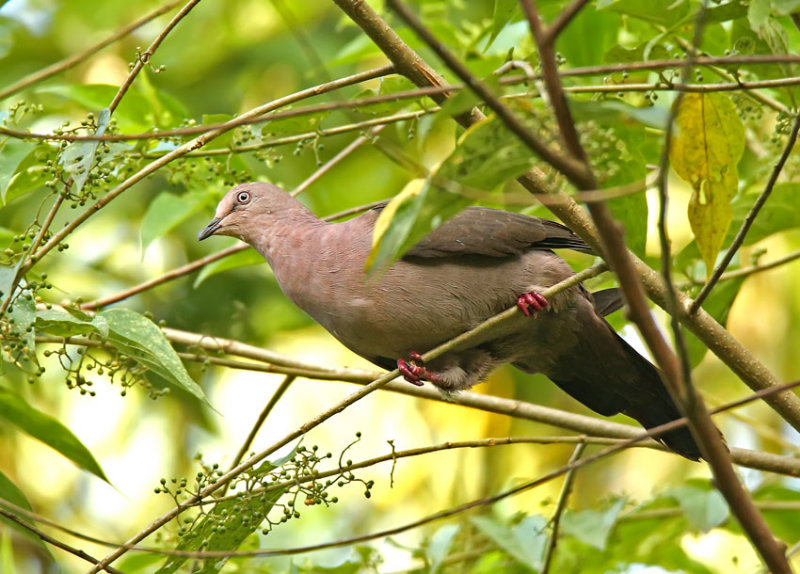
226,58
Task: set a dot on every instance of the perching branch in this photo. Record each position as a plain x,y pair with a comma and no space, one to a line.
714,335
334,410
621,262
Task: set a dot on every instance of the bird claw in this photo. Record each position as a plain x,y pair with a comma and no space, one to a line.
414,372
532,300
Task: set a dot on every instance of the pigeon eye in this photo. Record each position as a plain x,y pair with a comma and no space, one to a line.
243,197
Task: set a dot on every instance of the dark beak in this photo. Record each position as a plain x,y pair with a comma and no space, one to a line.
209,229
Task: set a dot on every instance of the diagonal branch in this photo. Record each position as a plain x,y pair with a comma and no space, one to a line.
562,20
144,58
192,145
76,59
737,357
566,165
561,506
378,383
620,260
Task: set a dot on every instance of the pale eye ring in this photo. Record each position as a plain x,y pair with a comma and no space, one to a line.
243,197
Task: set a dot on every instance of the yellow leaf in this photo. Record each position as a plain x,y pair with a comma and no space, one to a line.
411,190
705,152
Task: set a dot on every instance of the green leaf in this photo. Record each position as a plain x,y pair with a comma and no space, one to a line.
7,275
133,114
78,156
525,542
166,212
486,157
23,313
718,305
619,161
504,11
12,152
409,217
592,527
785,524
785,7
705,152
62,324
758,13
591,33
6,550
30,174
703,505
439,546
141,339
779,213
226,526
664,14
10,492
17,411
239,259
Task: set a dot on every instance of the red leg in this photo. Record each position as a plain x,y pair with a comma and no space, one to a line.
532,300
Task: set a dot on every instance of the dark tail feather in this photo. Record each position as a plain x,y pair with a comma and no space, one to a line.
610,377
660,409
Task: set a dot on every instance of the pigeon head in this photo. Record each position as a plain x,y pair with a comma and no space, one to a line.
242,205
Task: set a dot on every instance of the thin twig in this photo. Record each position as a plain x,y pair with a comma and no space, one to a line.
676,370
758,268
144,58
53,541
555,91
748,220
555,158
336,409
248,442
331,163
562,20
561,506
460,509
168,276
270,362
74,60
428,91
723,73
711,445
735,355
192,145
18,272
32,255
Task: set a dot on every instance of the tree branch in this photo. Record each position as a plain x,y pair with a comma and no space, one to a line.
707,329
561,506
76,59
619,258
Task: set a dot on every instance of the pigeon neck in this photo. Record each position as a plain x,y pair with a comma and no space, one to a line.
282,237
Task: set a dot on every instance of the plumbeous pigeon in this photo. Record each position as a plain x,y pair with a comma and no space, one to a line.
475,265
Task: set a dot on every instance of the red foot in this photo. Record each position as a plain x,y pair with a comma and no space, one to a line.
532,300
411,372
414,372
